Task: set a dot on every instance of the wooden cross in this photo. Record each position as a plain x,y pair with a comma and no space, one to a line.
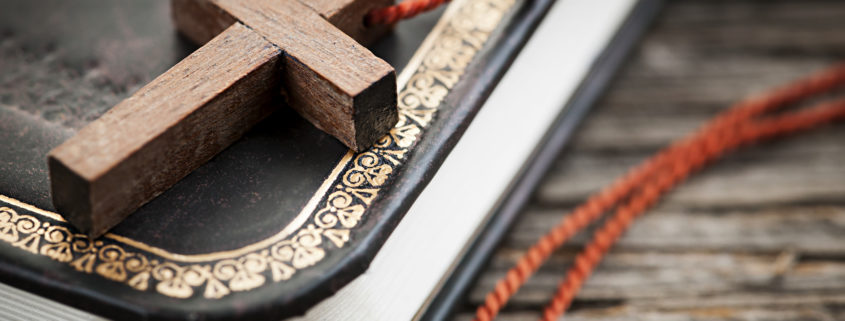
254,50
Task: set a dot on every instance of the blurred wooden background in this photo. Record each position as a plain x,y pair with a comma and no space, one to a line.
758,236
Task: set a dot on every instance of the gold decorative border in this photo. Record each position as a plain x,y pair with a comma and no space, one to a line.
441,62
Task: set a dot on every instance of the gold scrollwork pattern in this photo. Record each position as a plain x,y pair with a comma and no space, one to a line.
330,225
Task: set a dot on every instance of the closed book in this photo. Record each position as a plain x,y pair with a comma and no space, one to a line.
281,222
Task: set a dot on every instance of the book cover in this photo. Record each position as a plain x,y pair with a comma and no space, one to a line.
278,221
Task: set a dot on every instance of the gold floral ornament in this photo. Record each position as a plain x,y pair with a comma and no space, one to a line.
469,23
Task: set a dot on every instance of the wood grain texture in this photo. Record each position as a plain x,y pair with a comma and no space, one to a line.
348,15
168,128
186,116
330,79
758,236
199,20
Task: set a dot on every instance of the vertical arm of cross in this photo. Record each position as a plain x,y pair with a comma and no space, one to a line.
329,78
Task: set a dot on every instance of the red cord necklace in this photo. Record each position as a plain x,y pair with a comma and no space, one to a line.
405,10
746,123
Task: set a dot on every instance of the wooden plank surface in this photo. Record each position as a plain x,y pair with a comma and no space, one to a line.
758,236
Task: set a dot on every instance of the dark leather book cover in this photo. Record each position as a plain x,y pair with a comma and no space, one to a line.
278,221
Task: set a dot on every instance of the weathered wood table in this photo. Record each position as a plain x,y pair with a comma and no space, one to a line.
758,236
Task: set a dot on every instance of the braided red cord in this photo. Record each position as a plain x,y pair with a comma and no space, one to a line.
405,10
710,149
644,184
